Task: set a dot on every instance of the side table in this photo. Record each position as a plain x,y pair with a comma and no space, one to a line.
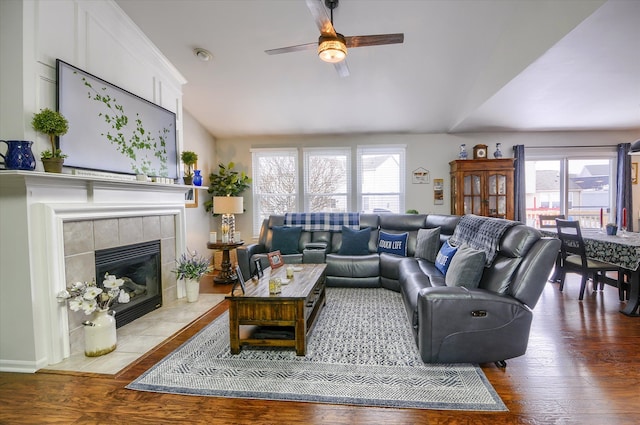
227,274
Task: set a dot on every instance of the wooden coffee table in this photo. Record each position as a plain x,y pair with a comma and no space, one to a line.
297,307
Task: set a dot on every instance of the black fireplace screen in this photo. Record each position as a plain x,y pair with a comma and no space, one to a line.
139,266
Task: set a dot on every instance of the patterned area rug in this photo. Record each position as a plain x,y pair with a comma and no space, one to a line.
361,352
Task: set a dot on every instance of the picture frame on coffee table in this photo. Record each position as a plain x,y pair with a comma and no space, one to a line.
240,281
275,259
258,265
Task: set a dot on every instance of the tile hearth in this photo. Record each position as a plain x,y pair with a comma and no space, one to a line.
140,336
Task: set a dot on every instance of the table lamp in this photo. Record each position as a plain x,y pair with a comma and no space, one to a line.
228,206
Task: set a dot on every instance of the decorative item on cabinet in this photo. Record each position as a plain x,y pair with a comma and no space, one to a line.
480,151
463,152
498,152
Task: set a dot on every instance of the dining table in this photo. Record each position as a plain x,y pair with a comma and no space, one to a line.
622,250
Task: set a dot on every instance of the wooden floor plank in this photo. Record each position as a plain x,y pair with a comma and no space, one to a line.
582,367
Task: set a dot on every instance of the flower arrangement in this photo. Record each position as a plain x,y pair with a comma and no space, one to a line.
192,266
89,298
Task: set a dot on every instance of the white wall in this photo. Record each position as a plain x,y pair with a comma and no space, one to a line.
199,221
430,151
99,38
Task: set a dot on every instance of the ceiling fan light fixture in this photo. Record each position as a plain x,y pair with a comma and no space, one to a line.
332,49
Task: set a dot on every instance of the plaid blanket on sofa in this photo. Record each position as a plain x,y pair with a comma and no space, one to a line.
323,221
482,233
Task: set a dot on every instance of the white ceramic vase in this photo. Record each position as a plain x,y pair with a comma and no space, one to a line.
100,334
193,289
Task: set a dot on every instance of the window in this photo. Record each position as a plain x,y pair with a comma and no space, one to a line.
575,185
327,176
381,178
275,183
327,179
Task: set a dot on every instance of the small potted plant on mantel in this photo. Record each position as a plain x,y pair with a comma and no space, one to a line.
51,123
189,159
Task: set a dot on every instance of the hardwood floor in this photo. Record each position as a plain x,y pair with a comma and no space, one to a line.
582,367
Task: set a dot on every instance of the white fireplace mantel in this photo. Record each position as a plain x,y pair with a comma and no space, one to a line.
33,209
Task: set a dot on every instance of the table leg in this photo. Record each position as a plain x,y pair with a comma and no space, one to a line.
300,329
234,328
631,309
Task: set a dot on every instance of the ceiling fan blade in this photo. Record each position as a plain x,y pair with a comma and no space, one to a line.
289,49
342,68
321,17
374,40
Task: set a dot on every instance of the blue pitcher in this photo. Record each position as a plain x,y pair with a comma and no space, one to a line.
18,156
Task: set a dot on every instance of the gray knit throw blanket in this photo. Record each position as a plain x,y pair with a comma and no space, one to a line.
481,233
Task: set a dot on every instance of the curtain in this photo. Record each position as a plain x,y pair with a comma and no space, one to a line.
623,185
520,189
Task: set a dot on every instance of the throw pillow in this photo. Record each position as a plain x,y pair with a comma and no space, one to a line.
355,242
444,257
427,244
393,243
466,267
285,239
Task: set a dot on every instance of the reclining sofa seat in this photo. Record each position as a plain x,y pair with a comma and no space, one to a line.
486,324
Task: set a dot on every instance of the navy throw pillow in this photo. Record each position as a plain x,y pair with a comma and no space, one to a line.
445,255
286,239
355,242
393,243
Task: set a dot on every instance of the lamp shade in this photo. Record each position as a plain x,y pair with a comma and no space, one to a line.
635,148
228,205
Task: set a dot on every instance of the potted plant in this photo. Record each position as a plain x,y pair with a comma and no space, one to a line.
190,268
227,182
53,124
189,159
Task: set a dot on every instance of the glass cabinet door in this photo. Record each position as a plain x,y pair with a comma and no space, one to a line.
497,193
472,194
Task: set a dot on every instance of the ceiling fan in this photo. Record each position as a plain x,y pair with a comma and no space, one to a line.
332,46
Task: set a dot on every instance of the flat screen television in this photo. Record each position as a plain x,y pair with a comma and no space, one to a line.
113,130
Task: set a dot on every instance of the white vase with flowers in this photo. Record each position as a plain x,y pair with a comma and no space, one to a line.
100,332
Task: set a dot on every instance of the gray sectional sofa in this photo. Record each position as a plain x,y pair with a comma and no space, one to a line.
480,312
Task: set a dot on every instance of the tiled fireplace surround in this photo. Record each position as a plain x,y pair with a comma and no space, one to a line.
83,238
66,219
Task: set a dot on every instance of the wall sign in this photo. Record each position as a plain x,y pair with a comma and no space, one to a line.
438,191
420,176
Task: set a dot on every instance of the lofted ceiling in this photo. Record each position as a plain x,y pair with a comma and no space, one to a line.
465,65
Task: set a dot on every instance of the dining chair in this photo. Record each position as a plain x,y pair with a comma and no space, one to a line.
574,256
549,222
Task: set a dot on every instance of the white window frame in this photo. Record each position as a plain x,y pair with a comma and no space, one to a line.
399,150
564,154
308,153
256,154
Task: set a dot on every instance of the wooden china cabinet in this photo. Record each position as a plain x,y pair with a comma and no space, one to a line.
482,187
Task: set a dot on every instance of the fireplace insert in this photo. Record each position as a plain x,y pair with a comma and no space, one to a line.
139,266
